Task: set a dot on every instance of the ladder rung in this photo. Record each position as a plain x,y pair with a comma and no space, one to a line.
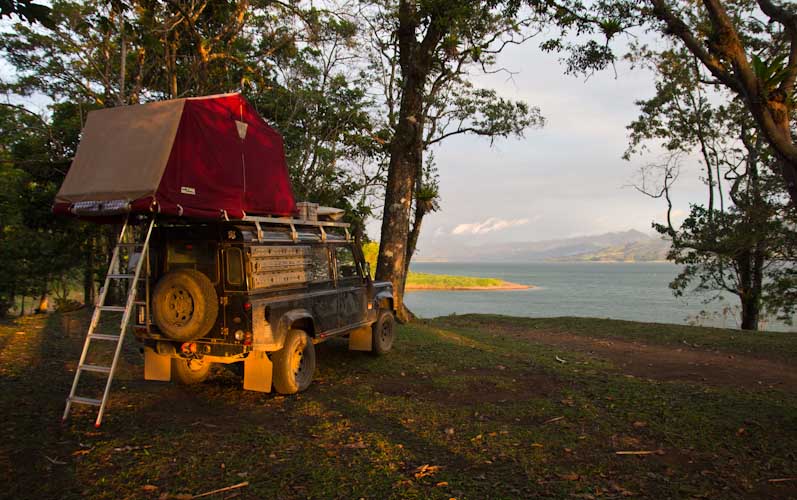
85,401
104,336
113,308
95,368
140,302
129,245
121,276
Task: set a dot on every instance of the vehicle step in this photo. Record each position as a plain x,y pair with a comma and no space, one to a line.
104,336
113,308
85,401
96,368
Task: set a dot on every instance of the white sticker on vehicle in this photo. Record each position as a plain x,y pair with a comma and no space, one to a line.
187,190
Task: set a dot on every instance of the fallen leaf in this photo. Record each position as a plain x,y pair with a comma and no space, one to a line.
80,452
640,424
570,477
442,483
149,487
359,445
536,445
426,470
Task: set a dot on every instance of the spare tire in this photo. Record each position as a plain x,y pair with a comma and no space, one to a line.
185,305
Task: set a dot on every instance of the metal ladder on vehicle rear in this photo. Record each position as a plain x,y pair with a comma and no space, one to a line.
136,243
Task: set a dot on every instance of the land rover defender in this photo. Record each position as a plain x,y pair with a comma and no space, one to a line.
260,292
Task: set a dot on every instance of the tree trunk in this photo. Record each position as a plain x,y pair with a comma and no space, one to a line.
751,309
404,159
44,304
123,58
88,275
751,264
406,150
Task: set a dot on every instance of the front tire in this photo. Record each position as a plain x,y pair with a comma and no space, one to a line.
190,371
294,364
383,333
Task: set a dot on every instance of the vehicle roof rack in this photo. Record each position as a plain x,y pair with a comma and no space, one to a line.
292,223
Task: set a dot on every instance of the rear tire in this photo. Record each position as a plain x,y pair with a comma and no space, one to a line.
190,371
383,333
294,364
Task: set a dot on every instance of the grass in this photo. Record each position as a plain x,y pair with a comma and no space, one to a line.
781,346
448,282
457,410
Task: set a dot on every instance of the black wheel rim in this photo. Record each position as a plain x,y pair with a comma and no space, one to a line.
179,306
386,333
302,371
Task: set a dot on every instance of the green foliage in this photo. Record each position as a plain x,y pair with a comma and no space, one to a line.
27,10
37,249
371,252
445,281
741,240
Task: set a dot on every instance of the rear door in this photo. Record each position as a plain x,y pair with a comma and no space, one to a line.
351,287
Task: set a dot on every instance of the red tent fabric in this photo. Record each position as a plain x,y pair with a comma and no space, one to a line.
208,157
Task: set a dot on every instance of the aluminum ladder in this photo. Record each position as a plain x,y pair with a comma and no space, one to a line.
136,243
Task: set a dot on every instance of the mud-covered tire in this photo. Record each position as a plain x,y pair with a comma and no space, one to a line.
190,371
185,305
383,333
294,364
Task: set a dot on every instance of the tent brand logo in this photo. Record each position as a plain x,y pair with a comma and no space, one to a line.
242,127
187,190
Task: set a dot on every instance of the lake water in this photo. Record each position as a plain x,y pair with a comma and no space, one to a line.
637,292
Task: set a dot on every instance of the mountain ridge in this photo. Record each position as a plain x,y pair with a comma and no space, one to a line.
616,246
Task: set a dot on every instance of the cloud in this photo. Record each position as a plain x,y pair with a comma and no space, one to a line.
488,226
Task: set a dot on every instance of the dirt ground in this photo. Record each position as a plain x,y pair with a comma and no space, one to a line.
685,363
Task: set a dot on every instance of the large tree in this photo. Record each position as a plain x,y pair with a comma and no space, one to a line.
739,241
423,59
291,62
746,46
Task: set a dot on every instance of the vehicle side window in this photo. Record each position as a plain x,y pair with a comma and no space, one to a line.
319,264
235,274
347,267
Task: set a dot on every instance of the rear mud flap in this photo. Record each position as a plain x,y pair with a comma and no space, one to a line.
360,339
257,372
157,366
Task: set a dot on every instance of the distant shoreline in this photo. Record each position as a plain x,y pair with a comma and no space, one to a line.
503,286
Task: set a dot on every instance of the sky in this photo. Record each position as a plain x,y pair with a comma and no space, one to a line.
566,179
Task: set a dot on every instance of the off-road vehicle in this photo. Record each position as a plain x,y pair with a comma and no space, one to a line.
262,294
216,262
